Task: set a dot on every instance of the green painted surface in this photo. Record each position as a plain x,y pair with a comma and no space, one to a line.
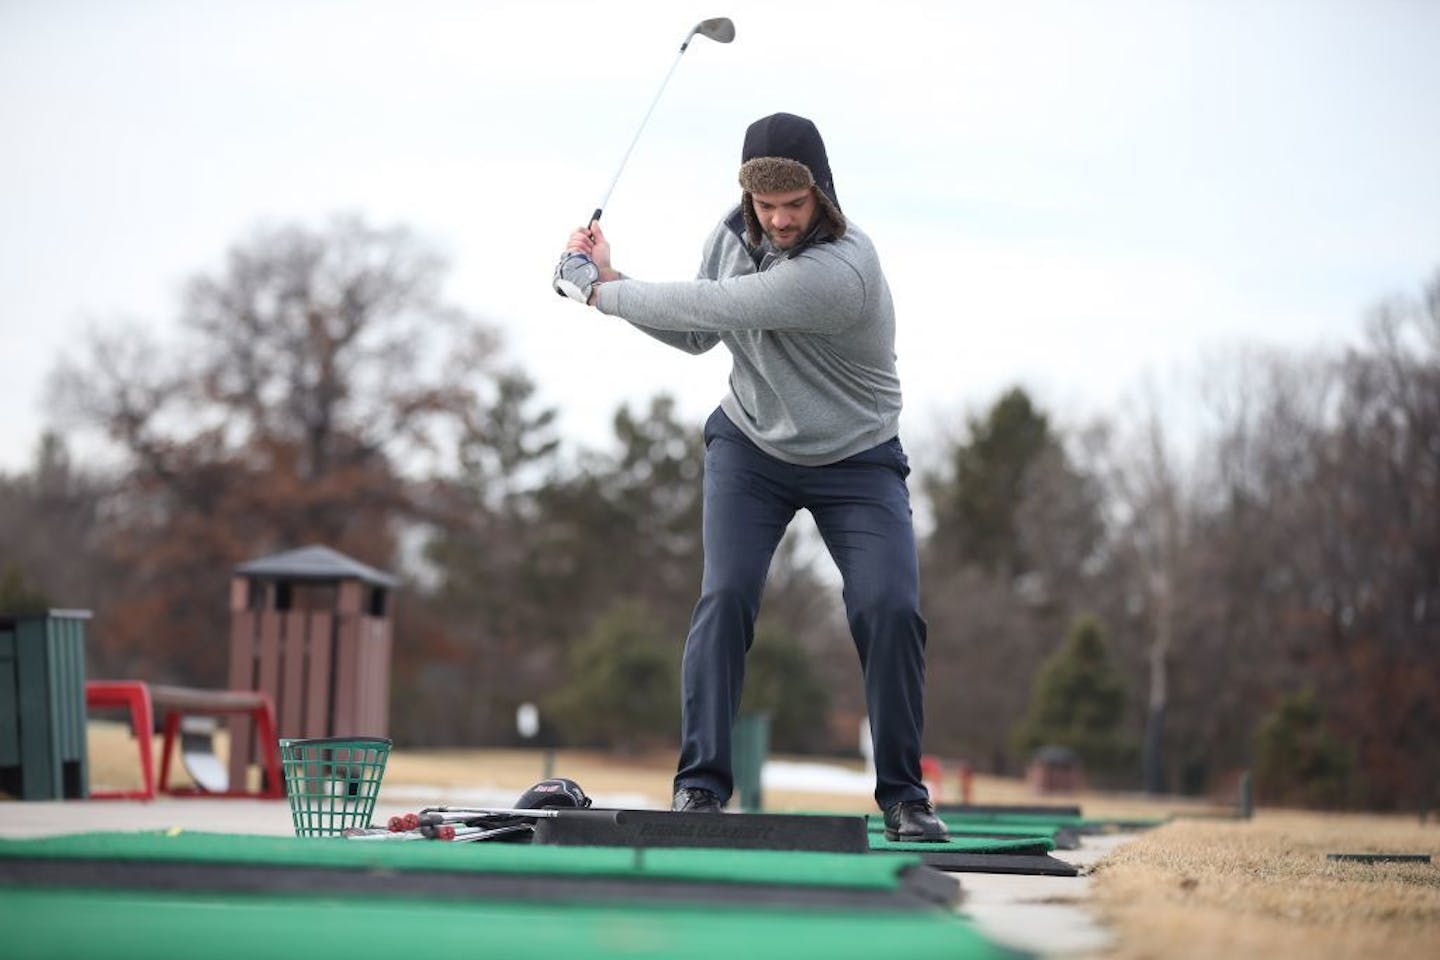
42,699
39,765
9,703
749,745
66,641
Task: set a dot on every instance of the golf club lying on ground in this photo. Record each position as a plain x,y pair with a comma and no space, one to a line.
472,813
575,273
457,823
445,831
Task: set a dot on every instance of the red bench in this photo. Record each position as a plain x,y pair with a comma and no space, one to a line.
174,703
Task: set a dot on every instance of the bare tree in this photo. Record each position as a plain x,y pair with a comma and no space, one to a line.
1149,504
320,373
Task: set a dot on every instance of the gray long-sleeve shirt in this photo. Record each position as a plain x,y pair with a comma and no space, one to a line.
811,334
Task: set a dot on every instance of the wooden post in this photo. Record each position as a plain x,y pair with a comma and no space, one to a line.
317,686
290,706
347,660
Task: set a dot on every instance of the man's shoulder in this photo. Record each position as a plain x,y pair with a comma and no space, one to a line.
855,238
727,253
854,248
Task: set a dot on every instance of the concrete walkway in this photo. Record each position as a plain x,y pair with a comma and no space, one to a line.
1047,916
53,818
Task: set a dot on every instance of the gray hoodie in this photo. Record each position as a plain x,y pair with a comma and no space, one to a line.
811,332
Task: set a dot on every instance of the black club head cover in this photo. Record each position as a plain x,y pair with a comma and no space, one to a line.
555,792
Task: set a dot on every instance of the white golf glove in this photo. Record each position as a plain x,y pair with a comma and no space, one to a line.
575,276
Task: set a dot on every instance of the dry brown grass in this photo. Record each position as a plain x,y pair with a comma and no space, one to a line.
1265,888
114,760
517,769
113,763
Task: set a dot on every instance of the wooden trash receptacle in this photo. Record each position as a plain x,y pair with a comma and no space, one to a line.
311,628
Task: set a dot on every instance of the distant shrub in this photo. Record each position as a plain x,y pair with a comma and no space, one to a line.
1299,761
18,596
1078,701
623,690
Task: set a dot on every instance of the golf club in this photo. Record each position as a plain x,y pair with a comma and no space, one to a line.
719,29
476,812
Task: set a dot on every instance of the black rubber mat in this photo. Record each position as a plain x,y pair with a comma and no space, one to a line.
918,888
662,828
1039,864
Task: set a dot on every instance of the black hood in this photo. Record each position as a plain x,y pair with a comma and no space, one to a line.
783,152
792,138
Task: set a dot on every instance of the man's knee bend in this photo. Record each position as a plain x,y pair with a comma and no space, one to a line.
888,616
730,598
722,617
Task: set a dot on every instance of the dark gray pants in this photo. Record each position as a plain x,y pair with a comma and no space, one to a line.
862,510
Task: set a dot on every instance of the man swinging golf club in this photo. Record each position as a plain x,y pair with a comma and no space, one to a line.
810,421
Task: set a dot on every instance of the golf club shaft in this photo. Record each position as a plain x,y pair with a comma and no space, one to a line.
635,139
384,835
719,29
492,811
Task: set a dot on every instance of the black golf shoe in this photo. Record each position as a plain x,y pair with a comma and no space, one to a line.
696,800
914,821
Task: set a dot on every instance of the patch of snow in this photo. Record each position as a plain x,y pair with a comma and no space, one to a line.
815,778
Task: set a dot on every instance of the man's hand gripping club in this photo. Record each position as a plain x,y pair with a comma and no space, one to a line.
585,264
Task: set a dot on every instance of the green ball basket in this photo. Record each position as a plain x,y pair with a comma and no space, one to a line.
332,782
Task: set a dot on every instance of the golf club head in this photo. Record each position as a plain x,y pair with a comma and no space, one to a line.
719,29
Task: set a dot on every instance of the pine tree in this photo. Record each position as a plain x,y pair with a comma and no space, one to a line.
1298,759
624,683
1078,701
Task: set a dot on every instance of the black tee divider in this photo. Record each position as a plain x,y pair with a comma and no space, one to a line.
1030,863
773,831
663,828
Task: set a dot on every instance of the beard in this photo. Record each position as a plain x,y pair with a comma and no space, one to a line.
785,239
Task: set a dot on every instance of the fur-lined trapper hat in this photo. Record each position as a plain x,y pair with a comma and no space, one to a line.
784,152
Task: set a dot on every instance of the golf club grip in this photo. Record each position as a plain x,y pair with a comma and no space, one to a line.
594,216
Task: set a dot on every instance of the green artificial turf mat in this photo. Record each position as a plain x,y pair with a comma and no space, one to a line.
126,926
657,865
1030,844
875,823
1081,824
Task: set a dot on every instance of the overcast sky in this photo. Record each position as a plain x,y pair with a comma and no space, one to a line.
1073,196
